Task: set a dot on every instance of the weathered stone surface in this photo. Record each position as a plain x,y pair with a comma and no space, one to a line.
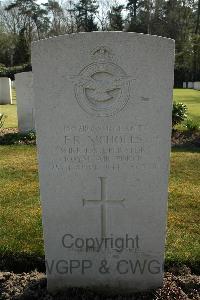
103,119
5,91
25,101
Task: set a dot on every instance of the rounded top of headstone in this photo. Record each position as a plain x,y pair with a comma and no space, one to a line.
108,34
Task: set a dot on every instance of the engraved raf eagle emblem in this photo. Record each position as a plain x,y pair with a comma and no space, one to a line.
102,87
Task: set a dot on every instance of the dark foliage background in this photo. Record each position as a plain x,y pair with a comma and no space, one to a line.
23,21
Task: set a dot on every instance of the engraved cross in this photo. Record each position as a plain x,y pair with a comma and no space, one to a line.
103,203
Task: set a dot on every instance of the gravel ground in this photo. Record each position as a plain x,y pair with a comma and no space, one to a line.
186,138
4,131
179,284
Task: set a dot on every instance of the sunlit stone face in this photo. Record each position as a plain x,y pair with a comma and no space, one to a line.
103,119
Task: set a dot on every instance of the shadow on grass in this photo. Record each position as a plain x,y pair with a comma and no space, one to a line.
17,138
193,265
22,262
189,148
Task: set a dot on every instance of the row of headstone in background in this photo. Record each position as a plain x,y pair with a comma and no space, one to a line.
103,138
24,98
25,101
5,91
192,85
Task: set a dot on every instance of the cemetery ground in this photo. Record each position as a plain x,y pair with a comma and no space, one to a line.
21,227
21,242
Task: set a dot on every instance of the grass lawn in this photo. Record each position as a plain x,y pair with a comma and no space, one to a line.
192,99
19,200
189,97
11,112
21,228
184,202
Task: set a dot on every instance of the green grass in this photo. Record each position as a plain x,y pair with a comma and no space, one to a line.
192,99
21,228
10,110
184,202
19,200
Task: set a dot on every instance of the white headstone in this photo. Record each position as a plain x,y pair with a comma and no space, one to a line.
190,85
184,85
197,85
103,116
25,101
5,91
13,83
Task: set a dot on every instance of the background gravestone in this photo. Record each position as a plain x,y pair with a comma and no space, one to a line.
25,101
5,91
184,85
197,85
103,118
13,83
190,85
